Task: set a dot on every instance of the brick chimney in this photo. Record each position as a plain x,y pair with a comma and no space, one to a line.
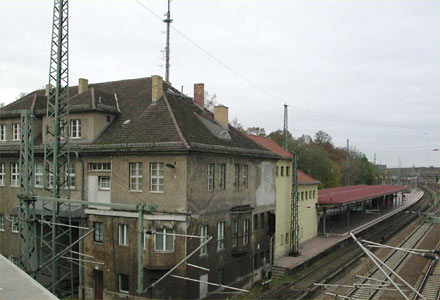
156,88
83,85
48,87
221,115
199,94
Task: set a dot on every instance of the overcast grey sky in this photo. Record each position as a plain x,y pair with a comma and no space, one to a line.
364,70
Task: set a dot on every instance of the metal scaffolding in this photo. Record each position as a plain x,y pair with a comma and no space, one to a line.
294,222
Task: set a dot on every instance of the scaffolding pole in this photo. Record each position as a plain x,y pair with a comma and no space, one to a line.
294,223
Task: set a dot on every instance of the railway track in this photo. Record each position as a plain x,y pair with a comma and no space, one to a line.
394,259
429,285
328,267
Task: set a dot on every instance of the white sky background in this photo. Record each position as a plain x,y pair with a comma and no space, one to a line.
364,70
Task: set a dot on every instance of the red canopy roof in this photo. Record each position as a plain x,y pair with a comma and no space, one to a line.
304,179
270,145
355,193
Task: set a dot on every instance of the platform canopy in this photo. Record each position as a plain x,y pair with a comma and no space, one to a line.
356,193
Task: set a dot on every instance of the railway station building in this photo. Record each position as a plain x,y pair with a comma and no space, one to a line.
142,142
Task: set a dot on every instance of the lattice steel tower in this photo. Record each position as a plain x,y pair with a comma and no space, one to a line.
168,21
55,237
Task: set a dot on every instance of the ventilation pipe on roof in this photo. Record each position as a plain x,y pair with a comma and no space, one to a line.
221,115
83,85
157,88
199,94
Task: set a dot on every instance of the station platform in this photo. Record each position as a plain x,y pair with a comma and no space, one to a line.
339,231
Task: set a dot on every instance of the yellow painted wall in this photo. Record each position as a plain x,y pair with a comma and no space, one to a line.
308,220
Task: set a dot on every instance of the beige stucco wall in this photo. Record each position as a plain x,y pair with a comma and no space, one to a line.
308,220
308,216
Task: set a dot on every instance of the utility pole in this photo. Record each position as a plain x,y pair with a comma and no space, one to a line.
168,21
347,164
285,128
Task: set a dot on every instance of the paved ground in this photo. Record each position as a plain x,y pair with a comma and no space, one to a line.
339,231
15,284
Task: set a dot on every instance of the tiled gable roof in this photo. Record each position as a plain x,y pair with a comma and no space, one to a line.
271,145
304,179
172,122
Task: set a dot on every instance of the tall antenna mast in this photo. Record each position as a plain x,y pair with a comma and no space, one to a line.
286,125
347,164
168,21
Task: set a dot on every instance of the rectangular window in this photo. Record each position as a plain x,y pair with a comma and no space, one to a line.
135,177
244,181
157,177
2,132
2,222
262,220
247,231
39,171
14,174
14,260
16,131
98,234
278,170
70,175
282,170
204,232
100,167
314,194
287,238
306,194
255,222
2,174
104,183
14,221
75,128
123,234
255,261
221,176
123,283
287,171
236,176
221,236
164,242
211,170
310,194
302,195
235,234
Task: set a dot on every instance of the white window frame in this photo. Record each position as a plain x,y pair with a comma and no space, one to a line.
220,236
135,173
245,176
211,171
3,133
155,175
38,175
235,233
15,175
123,234
98,233
204,232
71,175
16,131
75,128
2,174
101,181
100,167
222,176
120,283
236,176
165,239
14,223
2,222
247,231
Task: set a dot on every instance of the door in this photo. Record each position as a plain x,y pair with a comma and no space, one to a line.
99,284
203,286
